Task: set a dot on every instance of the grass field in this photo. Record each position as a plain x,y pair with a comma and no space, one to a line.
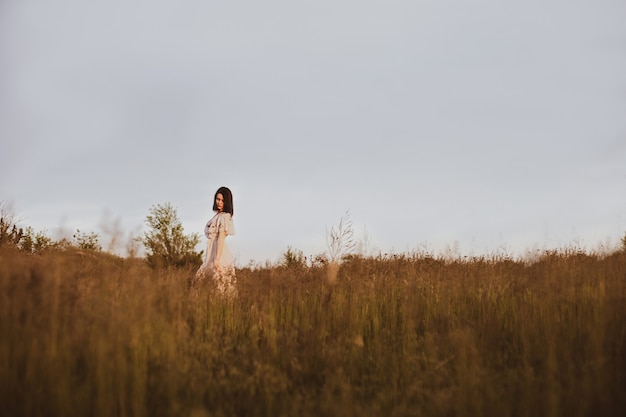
90,334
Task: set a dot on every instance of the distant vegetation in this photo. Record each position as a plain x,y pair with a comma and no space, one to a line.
165,242
84,332
27,240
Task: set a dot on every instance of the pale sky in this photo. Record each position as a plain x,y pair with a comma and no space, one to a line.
488,125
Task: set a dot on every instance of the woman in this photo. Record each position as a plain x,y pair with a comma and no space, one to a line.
218,261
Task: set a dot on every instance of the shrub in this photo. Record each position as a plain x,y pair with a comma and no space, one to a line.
166,243
293,258
10,234
35,242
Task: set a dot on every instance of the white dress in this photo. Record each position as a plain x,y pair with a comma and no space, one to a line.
224,276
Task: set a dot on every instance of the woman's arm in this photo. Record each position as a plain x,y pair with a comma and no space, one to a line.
221,236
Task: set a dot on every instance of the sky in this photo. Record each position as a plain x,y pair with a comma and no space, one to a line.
446,126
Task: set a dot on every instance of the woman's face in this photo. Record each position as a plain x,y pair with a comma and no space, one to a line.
219,202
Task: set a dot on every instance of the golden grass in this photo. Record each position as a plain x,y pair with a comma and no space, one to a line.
90,334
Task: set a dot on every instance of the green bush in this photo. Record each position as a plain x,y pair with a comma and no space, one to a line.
166,243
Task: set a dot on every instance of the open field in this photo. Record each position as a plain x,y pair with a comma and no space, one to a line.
90,334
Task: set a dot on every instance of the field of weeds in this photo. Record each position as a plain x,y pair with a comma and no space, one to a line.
90,334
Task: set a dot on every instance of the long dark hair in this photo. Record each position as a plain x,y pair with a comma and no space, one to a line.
228,200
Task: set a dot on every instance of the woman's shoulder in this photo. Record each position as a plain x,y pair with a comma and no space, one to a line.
225,218
226,221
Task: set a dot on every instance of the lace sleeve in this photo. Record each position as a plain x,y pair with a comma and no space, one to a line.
225,224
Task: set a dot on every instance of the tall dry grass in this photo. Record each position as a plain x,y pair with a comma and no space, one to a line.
90,334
